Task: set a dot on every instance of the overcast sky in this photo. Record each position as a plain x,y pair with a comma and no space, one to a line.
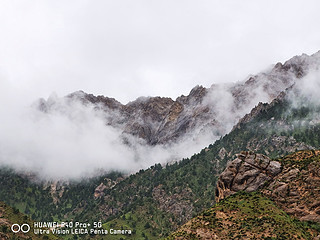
125,49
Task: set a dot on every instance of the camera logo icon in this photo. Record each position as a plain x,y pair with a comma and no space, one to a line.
23,228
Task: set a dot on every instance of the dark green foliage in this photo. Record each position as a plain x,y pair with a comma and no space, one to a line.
190,181
9,216
35,199
249,216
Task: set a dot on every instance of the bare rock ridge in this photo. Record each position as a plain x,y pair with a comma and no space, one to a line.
154,119
292,182
248,172
161,120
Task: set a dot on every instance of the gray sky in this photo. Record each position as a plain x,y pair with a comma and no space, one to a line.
125,49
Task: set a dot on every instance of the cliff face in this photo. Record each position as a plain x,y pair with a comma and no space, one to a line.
248,172
213,111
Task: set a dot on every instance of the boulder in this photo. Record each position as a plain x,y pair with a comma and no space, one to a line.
248,172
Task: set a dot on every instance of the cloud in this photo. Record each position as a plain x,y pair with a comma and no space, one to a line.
61,138
147,48
67,139
72,140
306,90
309,89
65,143
125,50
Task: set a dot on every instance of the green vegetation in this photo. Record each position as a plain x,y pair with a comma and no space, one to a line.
246,216
9,216
35,199
165,197
301,159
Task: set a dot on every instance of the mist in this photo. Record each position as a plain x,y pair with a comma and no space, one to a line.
72,140
126,50
304,96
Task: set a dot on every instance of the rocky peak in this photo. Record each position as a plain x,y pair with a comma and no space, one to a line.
110,103
300,65
160,120
196,95
153,107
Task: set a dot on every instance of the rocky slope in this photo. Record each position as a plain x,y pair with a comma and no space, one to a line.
292,182
279,190
268,129
246,216
297,188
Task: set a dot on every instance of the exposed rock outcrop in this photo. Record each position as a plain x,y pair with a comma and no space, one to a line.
107,184
98,192
292,182
248,172
56,189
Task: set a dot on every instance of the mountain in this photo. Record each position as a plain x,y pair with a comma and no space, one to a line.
260,198
167,196
213,111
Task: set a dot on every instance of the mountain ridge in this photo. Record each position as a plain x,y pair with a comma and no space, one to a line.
161,120
168,195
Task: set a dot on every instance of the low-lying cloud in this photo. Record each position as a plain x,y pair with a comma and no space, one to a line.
73,140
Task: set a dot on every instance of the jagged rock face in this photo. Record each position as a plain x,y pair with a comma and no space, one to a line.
213,111
248,172
156,120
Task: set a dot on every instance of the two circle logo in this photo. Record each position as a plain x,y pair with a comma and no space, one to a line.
23,228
